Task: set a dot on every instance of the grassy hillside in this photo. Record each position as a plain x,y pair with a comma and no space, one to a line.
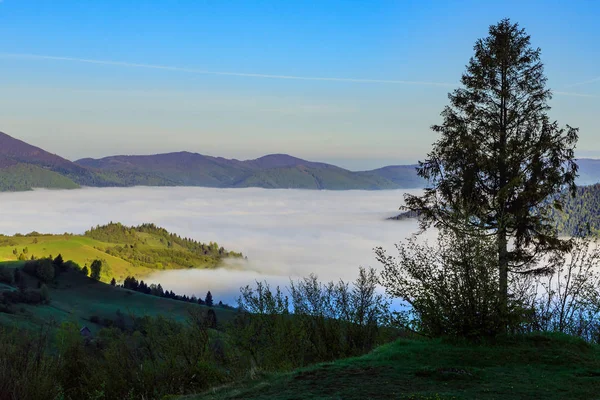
125,251
20,177
529,367
77,298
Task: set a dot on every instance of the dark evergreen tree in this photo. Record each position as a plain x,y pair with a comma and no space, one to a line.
113,282
96,269
211,319
500,158
58,261
209,299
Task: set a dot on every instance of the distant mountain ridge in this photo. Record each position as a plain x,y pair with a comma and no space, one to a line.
23,167
270,171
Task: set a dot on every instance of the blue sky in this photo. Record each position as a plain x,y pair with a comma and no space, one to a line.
99,78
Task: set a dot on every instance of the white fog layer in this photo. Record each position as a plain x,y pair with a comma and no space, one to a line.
284,233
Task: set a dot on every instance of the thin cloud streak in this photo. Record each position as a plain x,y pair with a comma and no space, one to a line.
584,82
240,74
576,94
263,76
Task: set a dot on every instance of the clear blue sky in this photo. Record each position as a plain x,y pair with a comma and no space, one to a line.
391,65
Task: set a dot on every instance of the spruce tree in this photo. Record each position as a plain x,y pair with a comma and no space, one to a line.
209,299
500,161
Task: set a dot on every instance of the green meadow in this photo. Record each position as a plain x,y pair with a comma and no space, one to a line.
124,251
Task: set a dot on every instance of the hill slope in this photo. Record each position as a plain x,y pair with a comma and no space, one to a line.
530,367
125,251
76,298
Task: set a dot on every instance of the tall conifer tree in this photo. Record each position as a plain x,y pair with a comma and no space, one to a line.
500,161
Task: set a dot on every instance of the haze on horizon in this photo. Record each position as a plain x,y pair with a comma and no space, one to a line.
285,233
357,85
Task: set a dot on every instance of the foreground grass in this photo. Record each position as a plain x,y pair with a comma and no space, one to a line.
528,367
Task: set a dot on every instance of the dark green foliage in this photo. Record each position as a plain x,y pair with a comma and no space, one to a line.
157,290
113,282
322,322
211,319
449,287
27,296
156,357
96,270
500,157
26,371
208,300
85,271
7,276
43,269
580,215
71,265
58,262
45,294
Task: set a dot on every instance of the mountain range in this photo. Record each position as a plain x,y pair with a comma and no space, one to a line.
23,167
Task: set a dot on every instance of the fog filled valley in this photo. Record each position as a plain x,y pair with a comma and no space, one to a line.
283,233
283,201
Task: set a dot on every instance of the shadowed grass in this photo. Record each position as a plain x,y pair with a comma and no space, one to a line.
528,367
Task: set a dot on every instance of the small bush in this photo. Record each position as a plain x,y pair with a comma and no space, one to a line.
45,294
7,276
71,265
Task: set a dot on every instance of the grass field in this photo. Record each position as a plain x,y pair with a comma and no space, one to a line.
76,298
527,367
125,251
80,249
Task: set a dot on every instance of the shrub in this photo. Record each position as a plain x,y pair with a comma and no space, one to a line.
45,294
451,288
43,269
71,265
35,296
7,276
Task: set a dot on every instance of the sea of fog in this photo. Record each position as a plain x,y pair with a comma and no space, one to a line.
284,233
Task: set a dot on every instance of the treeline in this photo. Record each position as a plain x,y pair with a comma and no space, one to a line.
133,357
157,290
118,233
581,214
46,270
161,258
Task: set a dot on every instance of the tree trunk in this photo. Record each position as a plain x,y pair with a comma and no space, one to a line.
502,195
503,276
